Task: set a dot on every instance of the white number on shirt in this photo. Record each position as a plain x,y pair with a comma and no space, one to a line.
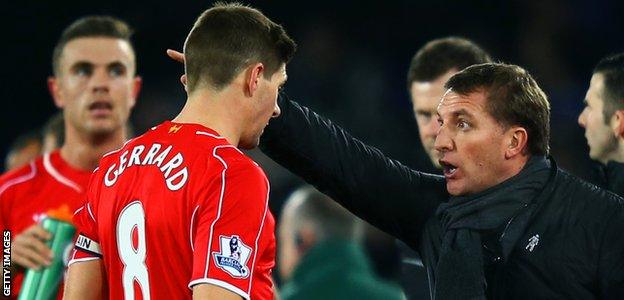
132,223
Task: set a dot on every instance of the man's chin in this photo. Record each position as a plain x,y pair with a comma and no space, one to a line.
454,190
102,129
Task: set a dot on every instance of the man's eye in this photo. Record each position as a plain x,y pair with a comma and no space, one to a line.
463,125
440,122
117,71
83,71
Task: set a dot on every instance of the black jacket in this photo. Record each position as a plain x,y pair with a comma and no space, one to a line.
572,249
610,176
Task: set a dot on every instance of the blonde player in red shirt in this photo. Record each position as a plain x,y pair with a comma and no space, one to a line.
180,212
94,83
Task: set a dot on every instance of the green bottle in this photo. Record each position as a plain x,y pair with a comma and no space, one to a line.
44,284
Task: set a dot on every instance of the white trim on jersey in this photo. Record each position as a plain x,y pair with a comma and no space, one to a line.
58,176
219,137
191,228
225,166
209,134
77,260
110,152
219,283
266,208
78,210
23,178
89,211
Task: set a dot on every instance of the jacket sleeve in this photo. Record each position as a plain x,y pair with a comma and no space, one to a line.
361,178
611,264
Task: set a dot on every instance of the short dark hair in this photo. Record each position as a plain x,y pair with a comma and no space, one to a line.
227,38
441,55
90,26
612,70
513,98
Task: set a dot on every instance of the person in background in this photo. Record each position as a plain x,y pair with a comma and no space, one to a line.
94,82
320,256
25,148
54,133
603,121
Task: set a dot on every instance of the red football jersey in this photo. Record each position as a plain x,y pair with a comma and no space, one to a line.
176,207
26,194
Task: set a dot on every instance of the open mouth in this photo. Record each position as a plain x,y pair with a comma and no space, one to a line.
449,169
100,107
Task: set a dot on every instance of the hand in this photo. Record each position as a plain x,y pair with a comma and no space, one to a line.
29,249
179,57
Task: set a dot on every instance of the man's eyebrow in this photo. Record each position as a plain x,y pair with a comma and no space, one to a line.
80,64
115,64
462,112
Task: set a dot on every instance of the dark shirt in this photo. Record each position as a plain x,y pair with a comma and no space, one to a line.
571,249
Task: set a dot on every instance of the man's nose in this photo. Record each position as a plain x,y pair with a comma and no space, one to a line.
276,111
100,81
443,142
582,118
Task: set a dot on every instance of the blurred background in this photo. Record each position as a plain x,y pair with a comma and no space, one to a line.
351,64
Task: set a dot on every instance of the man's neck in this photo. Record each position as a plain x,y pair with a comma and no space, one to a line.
618,154
84,152
211,110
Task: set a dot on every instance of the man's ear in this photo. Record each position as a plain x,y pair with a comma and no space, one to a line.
517,142
137,84
617,123
252,79
305,238
53,88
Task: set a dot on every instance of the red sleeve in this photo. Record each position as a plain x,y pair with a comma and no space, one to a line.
228,227
87,245
8,183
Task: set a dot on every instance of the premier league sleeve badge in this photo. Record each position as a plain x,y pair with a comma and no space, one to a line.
233,256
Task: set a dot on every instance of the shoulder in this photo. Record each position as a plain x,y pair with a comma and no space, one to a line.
582,191
236,162
581,202
21,176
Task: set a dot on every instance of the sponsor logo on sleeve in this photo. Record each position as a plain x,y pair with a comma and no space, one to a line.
233,256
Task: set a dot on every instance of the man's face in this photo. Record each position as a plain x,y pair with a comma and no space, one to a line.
264,107
471,143
95,85
600,137
426,96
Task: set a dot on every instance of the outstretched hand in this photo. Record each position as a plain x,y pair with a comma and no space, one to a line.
179,57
